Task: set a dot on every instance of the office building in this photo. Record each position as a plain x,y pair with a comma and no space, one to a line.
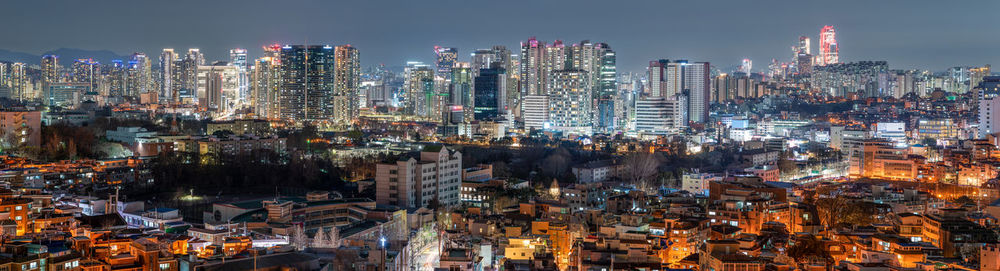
489,100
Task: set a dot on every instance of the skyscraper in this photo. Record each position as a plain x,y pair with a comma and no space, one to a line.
446,58
86,70
491,85
532,69
460,90
607,83
307,82
555,60
167,67
347,75
696,82
829,52
50,68
139,75
265,81
238,58
416,77
657,79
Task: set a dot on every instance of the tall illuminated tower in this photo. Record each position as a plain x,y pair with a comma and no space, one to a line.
50,68
446,57
828,49
238,58
347,74
532,69
307,73
167,67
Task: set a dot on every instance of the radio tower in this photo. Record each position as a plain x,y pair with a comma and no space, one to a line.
828,49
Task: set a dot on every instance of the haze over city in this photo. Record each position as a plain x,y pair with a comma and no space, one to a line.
447,135
908,34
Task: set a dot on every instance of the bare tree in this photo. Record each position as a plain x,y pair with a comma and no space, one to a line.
639,169
334,237
299,239
320,240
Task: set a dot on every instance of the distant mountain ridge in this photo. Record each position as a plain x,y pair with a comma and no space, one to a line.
66,56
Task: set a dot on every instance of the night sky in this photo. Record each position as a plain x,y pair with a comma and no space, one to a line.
909,34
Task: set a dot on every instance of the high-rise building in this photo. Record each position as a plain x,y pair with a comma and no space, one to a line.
555,60
803,47
446,58
238,58
348,75
570,104
86,70
167,71
657,116
532,67
460,90
491,85
988,92
419,180
139,75
418,81
265,81
50,69
656,75
607,87
829,52
698,87
217,86
116,81
307,82
535,112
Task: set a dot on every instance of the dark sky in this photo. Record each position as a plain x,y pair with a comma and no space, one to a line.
933,34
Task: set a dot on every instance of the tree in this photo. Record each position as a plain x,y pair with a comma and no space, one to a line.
334,237
299,239
320,240
639,168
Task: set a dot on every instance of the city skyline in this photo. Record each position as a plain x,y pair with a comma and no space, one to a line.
409,30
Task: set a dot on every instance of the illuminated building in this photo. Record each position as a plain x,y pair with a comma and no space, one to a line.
989,105
238,58
490,87
218,86
657,116
696,82
803,46
346,98
446,58
607,87
532,67
86,71
570,103
138,75
21,127
116,81
657,79
418,179
828,49
167,67
418,80
65,94
50,68
554,60
878,158
460,90
746,66
942,128
307,82
265,80
535,111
